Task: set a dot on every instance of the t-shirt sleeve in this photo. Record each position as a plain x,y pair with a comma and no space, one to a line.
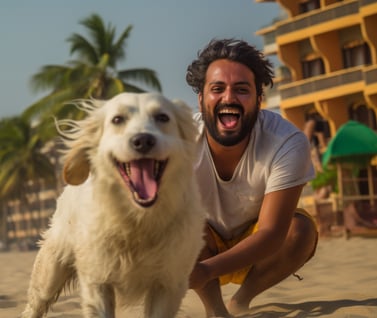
292,165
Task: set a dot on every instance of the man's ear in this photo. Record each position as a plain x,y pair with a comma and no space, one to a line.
200,99
259,100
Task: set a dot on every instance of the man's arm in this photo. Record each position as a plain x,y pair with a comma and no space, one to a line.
273,224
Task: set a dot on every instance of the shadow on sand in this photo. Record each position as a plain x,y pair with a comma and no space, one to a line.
306,309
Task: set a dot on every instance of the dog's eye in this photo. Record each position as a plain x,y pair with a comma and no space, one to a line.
117,120
163,118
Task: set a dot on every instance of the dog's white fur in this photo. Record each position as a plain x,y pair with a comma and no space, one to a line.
121,252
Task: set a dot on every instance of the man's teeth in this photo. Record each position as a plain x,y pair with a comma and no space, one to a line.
229,112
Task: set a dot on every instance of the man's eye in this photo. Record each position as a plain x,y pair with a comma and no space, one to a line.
243,90
163,118
216,89
117,120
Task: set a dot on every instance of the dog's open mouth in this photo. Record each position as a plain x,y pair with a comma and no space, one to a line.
142,177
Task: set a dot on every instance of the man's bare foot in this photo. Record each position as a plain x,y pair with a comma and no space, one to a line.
236,308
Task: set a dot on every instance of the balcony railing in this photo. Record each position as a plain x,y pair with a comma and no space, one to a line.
325,82
370,76
269,37
320,17
366,2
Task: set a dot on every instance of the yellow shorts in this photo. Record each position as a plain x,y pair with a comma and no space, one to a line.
239,276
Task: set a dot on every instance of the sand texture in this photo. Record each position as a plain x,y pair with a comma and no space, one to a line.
339,282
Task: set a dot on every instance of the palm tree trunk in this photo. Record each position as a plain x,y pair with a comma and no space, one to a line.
3,225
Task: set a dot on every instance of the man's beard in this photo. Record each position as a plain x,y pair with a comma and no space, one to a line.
233,138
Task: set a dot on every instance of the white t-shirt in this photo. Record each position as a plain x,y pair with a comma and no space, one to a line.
277,157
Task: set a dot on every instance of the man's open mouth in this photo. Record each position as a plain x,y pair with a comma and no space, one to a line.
142,177
229,117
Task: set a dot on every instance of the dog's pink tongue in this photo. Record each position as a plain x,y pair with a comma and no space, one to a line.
142,177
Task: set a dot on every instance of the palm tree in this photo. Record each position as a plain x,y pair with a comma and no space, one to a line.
93,74
23,165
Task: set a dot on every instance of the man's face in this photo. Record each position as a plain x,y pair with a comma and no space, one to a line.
229,102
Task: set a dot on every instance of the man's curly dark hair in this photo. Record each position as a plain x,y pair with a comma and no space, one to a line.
233,50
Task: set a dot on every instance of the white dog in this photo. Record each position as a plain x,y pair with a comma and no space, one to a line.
129,225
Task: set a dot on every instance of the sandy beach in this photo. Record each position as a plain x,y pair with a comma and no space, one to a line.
340,281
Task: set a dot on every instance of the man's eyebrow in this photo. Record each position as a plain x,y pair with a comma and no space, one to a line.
216,83
236,83
243,83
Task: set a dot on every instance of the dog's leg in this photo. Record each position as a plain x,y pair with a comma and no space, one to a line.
48,278
98,300
163,302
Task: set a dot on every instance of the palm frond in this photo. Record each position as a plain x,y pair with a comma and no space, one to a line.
9,185
118,52
21,159
49,77
130,88
83,48
145,75
102,37
47,104
93,74
114,86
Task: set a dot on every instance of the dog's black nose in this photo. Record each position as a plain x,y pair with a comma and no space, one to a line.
143,142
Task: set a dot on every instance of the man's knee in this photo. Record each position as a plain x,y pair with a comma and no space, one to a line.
302,237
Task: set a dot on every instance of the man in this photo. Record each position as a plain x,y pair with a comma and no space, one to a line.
252,166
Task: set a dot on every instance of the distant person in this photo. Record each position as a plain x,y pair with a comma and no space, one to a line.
251,167
355,224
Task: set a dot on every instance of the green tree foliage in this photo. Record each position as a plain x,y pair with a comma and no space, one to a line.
21,158
24,170
328,177
93,74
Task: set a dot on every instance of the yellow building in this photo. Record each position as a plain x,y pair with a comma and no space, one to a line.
329,50
328,53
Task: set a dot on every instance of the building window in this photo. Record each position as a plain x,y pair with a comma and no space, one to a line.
356,54
308,5
312,68
364,115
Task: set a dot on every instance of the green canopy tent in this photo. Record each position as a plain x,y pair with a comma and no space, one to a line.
352,142
352,148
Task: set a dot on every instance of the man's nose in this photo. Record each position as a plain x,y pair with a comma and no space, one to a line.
229,96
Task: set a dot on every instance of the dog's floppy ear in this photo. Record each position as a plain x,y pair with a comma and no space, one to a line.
76,167
188,127
81,142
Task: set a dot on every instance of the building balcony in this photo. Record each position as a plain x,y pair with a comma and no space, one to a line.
366,2
269,39
370,75
323,82
318,16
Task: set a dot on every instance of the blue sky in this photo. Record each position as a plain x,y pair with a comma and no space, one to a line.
166,37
